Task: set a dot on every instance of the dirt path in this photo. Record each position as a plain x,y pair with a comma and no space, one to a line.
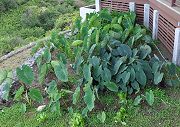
16,60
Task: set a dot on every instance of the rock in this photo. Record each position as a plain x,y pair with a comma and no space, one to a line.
40,108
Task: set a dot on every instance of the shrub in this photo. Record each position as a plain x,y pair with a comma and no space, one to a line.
21,2
30,18
6,5
64,22
47,20
38,17
36,32
8,44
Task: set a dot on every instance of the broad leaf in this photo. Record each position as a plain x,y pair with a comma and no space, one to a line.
89,96
158,77
145,50
141,77
60,70
25,74
150,97
106,75
87,72
137,100
42,73
102,117
19,93
77,43
76,95
3,75
35,95
111,86
47,55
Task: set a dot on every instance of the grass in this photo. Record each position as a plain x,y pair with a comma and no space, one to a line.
164,113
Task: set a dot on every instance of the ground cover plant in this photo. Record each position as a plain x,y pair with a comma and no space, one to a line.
106,54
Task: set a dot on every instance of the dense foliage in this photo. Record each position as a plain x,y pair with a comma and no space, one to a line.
107,52
29,20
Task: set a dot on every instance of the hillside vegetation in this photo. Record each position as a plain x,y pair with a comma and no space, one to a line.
23,21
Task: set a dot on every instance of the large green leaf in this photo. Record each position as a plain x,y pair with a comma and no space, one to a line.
60,70
155,67
76,95
137,100
150,97
111,86
135,85
77,43
118,64
102,117
52,87
95,61
158,77
3,76
47,55
124,50
145,50
25,74
141,77
6,86
87,72
125,77
19,93
106,75
35,95
89,96
42,73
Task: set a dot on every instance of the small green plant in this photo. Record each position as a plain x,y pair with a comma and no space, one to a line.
121,116
148,97
101,117
42,117
76,120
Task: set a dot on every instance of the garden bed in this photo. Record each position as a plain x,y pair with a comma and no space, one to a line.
107,54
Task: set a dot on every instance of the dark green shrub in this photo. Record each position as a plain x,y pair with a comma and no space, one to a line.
20,2
47,20
6,5
2,7
30,18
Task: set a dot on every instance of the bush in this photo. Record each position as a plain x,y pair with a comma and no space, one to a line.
64,22
20,2
47,20
30,18
8,44
63,8
6,5
38,17
36,32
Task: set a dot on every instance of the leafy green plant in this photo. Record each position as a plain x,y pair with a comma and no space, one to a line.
42,117
102,117
76,120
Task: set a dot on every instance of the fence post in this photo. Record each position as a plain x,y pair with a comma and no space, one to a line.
98,5
146,15
176,49
132,6
155,24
